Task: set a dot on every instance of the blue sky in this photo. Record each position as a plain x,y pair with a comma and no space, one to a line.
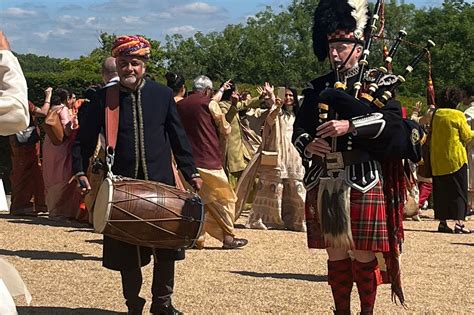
66,28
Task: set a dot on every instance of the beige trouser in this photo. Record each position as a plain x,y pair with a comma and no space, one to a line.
219,222
219,205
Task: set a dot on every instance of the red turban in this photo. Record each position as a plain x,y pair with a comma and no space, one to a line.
131,46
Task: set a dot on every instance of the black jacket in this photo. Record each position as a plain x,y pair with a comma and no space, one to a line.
149,130
380,132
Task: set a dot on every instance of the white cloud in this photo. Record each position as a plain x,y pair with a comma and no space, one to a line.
196,8
19,12
92,21
71,7
157,18
121,5
184,30
165,15
67,18
59,32
132,20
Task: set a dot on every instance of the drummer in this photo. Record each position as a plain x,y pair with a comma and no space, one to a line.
148,128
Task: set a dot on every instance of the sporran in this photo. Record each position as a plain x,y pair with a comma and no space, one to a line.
334,211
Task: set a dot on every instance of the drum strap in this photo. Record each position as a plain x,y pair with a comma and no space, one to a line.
112,116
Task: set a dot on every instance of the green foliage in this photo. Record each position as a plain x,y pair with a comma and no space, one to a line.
453,33
277,47
34,63
72,80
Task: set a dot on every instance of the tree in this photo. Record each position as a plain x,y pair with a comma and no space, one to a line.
92,63
453,33
34,63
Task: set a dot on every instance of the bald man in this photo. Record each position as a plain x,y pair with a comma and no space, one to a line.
109,71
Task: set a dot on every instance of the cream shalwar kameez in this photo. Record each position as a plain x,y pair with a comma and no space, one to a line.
279,201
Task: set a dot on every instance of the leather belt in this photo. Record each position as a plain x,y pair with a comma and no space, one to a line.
339,160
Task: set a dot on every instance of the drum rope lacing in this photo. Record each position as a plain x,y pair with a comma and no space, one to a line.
176,196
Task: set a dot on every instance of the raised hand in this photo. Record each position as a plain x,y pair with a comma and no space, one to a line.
417,107
47,94
269,89
4,44
227,85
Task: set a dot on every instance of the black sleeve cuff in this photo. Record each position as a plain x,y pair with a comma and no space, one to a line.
301,142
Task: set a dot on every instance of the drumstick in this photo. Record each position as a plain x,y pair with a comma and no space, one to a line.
71,179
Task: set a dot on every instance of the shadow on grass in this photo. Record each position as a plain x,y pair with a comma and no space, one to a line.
287,276
465,244
46,310
43,220
47,255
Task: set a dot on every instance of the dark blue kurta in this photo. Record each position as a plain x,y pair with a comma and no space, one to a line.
149,130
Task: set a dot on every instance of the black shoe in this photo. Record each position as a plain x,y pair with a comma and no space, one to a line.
165,310
461,229
444,228
135,307
236,243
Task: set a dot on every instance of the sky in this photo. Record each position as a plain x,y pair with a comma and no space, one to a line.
70,29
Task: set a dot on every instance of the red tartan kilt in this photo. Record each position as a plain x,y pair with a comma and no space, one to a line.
368,220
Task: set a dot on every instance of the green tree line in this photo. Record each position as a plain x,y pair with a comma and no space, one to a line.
277,46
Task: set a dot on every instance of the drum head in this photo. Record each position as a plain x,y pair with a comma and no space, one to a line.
102,205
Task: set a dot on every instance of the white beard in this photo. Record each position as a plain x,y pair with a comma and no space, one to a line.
130,80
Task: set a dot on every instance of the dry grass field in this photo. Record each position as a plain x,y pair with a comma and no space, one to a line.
275,273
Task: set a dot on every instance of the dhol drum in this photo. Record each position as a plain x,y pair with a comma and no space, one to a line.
148,213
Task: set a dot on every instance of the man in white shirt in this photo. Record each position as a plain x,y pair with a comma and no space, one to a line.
14,114
109,71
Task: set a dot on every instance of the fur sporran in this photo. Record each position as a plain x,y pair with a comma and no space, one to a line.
334,212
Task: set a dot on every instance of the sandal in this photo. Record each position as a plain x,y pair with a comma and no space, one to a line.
236,243
461,229
444,228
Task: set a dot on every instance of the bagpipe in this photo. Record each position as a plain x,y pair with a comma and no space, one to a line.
373,93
